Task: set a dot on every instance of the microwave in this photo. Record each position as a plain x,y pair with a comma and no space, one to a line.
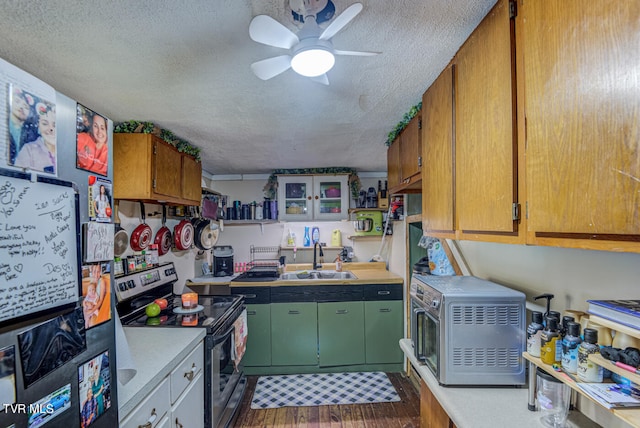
468,331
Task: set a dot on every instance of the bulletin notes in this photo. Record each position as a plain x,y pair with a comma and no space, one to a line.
38,244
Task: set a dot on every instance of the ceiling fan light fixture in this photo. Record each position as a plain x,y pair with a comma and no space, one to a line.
313,61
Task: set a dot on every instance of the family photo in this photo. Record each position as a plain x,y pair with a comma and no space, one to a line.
96,304
94,381
100,199
32,132
92,150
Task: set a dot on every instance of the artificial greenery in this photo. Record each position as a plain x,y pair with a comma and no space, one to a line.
135,126
403,123
270,189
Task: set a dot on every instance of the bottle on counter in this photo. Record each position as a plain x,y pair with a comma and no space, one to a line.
589,371
570,344
534,333
315,234
550,350
566,319
307,237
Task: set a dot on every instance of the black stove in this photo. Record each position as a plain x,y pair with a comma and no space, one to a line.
136,291
222,316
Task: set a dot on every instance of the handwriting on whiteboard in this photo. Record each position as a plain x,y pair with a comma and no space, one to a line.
38,251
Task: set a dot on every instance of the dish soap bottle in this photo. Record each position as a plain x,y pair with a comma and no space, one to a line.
548,343
315,235
307,238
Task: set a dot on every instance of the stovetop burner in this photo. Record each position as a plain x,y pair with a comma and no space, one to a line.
214,310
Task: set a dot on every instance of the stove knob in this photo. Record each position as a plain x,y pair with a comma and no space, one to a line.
435,304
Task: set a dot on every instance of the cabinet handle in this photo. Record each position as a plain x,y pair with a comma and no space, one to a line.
178,424
309,197
385,310
191,373
250,296
292,312
384,292
316,197
151,419
342,311
251,312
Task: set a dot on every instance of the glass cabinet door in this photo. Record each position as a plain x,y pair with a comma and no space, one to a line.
331,197
295,201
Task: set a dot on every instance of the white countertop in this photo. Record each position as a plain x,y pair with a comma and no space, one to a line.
156,352
477,407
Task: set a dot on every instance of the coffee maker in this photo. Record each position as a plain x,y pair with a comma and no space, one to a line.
223,260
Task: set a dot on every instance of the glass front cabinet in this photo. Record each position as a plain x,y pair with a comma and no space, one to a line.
317,197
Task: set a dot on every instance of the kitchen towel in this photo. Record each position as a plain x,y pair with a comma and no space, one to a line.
239,338
322,389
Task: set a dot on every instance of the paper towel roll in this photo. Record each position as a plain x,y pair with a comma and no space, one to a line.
126,366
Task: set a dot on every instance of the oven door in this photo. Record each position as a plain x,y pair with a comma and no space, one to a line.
227,382
425,336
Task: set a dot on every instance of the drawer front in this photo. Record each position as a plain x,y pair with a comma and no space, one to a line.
383,292
151,409
186,372
253,295
187,412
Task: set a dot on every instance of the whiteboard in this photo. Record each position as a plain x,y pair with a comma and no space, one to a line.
38,244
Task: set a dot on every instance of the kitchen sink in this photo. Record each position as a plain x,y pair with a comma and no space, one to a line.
316,275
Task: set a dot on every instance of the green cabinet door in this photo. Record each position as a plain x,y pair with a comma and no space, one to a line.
258,353
294,334
341,333
383,331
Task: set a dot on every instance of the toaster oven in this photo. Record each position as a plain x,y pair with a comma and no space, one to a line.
468,331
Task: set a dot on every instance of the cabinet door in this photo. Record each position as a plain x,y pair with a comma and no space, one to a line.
582,106
432,415
341,333
411,148
150,410
294,334
258,351
486,143
383,331
191,179
295,198
394,175
438,148
167,170
331,197
187,412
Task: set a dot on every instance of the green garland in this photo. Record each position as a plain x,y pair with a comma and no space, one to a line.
413,111
135,126
270,189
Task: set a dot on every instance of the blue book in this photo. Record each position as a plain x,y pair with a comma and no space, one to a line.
626,312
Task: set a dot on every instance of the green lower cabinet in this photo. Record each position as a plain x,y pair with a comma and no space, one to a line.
294,334
258,353
383,331
341,333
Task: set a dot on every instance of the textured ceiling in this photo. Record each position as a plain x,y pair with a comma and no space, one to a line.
185,65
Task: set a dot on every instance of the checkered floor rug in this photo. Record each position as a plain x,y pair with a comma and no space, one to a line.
322,389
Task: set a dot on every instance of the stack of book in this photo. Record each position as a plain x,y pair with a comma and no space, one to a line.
610,395
625,312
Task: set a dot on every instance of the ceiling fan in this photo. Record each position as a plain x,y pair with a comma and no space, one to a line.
311,52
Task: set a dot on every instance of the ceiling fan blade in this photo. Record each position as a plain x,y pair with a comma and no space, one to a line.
266,30
343,19
271,67
321,79
355,53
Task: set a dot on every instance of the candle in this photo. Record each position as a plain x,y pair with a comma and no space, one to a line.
189,300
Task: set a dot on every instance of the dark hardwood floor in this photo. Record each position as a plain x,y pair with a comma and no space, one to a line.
401,414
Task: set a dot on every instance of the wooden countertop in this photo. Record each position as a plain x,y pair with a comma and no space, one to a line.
365,272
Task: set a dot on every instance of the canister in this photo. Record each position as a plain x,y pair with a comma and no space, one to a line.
336,238
553,398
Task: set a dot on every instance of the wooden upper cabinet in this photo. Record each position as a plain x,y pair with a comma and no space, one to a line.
582,111
147,168
485,130
438,148
411,149
393,165
404,159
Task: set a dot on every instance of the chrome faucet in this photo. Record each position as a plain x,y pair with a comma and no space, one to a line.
317,265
